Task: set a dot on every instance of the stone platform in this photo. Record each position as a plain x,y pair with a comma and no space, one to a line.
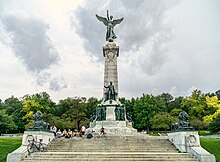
110,124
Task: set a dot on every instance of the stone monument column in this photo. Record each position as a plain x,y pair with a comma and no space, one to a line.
111,52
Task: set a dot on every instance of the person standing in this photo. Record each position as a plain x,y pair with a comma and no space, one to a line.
53,129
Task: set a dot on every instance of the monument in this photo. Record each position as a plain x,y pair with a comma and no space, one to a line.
39,131
111,114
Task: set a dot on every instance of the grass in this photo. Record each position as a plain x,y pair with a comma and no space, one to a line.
153,134
204,133
8,145
212,145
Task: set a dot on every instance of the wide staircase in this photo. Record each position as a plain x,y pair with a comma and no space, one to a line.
114,148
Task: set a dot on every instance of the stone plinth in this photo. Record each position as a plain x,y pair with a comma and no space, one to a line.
110,113
188,141
111,125
21,152
111,52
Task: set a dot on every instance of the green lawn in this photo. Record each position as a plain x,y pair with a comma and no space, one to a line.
212,145
8,145
204,133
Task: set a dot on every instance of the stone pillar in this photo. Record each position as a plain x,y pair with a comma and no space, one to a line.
111,52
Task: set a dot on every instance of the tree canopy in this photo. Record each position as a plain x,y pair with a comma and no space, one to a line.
148,111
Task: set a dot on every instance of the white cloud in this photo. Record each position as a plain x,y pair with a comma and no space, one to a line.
165,46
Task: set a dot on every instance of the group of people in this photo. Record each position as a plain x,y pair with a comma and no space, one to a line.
67,133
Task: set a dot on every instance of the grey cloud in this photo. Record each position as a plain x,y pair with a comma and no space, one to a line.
57,84
143,22
30,42
33,47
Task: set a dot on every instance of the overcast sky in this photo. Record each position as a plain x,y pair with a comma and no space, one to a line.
56,46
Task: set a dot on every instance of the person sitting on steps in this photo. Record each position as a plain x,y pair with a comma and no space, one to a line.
102,131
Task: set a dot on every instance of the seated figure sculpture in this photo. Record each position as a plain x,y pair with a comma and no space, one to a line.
39,124
182,124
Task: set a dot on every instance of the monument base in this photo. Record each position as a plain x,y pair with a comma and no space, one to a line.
188,141
21,152
111,125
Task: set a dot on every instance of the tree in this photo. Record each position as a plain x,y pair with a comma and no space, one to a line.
73,112
197,124
129,105
214,126
218,94
6,122
37,102
91,105
77,112
213,103
13,107
175,104
175,112
195,104
144,109
163,121
167,98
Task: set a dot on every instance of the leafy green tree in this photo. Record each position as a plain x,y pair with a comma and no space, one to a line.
75,114
195,104
166,98
214,126
37,102
213,103
129,105
63,106
218,94
175,104
6,122
144,109
197,124
13,107
175,112
91,105
162,121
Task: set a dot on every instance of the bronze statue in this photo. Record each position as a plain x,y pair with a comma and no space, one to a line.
100,113
110,94
39,124
110,23
182,124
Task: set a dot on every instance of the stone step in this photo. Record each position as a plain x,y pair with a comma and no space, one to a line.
119,156
100,160
110,149
113,159
109,154
117,151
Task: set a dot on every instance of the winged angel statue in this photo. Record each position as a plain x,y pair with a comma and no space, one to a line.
110,23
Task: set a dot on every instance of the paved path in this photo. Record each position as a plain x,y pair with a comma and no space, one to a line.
211,136
10,136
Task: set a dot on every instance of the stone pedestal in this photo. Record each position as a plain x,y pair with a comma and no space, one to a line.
188,141
111,52
110,113
21,152
111,125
